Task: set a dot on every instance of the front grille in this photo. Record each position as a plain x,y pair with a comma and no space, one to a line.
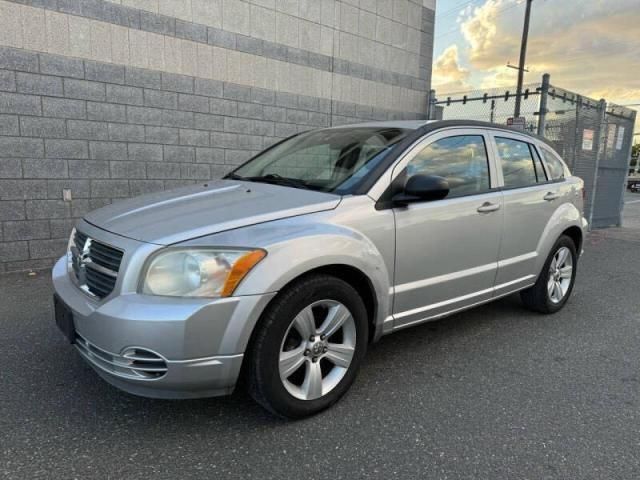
95,265
137,363
79,241
100,284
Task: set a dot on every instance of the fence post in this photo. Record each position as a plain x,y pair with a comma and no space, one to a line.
542,112
628,156
602,113
431,105
577,133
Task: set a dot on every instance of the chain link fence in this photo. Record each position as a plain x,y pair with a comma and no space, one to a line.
592,136
492,105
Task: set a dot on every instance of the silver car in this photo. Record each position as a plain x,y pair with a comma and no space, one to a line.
283,272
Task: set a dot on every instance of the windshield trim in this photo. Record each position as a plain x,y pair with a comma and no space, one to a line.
275,179
353,189
261,152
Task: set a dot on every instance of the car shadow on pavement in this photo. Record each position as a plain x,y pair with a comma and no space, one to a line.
63,386
394,357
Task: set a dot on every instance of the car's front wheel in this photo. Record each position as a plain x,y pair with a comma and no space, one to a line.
308,346
555,283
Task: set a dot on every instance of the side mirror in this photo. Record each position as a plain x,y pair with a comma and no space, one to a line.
423,188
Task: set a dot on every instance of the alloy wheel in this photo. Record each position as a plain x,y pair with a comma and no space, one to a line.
560,274
317,349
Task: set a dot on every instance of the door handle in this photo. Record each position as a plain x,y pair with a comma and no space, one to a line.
551,196
487,207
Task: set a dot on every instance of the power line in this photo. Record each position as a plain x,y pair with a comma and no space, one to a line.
454,10
566,60
573,59
448,32
588,51
498,13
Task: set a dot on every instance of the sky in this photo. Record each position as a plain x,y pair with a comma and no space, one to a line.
591,47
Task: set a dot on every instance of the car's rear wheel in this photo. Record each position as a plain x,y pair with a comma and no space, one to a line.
308,347
555,283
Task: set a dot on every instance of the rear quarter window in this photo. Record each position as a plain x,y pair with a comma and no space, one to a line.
555,168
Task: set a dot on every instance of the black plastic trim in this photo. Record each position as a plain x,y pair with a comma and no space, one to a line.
398,149
368,182
262,152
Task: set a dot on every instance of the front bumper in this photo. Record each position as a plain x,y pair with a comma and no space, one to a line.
200,341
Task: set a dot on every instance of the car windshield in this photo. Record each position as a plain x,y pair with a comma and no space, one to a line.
332,160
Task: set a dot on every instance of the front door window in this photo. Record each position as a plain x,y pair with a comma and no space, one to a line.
461,160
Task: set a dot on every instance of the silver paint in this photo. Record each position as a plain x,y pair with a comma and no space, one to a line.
423,261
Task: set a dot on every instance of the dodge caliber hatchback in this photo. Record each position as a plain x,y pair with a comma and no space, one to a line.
284,271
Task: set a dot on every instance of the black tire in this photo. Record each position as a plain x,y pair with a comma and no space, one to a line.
263,375
537,298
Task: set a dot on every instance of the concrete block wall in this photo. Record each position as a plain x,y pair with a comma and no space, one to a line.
111,99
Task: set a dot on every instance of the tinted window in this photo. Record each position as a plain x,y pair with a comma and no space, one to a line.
537,162
462,160
518,168
554,166
331,160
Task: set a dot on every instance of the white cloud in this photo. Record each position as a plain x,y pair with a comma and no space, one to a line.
590,47
499,77
448,74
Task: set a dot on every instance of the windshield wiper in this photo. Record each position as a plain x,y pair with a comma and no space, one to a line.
275,179
232,176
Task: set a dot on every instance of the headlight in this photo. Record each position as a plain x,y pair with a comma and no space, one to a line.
198,272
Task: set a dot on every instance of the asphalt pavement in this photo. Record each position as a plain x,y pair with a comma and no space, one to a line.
496,392
631,211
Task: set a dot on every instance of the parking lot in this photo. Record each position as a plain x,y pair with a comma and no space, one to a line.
496,392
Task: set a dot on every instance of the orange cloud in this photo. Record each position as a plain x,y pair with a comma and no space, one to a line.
448,74
589,47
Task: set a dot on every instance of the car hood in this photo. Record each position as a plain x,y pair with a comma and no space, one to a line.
177,215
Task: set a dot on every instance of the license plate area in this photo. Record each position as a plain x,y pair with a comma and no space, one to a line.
64,319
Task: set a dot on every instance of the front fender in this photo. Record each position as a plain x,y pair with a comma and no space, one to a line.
298,245
566,215
289,259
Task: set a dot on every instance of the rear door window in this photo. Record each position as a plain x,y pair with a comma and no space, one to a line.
518,167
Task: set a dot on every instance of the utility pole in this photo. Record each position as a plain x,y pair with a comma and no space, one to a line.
523,56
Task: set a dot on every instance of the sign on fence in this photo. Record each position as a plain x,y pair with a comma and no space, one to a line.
594,137
611,136
587,139
518,123
620,138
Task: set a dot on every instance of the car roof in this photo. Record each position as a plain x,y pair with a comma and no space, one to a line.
432,125
404,124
